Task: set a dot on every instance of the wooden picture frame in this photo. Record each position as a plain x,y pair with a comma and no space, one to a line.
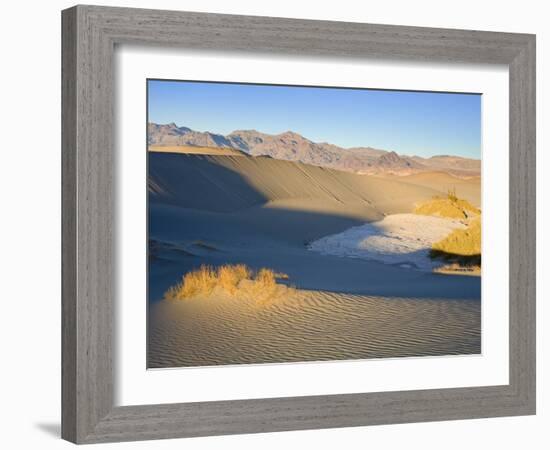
90,34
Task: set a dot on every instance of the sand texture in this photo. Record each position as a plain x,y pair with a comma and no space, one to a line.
467,188
309,326
263,212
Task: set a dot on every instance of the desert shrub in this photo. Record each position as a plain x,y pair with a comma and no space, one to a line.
196,282
462,247
173,292
265,278
466,265
242,271
451,207
465,242
451,195
228,278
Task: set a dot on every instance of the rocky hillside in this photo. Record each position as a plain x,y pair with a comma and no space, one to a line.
291,146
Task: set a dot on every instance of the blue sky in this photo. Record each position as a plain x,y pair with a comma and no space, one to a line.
411,123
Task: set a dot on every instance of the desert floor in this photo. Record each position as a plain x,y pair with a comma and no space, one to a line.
301,220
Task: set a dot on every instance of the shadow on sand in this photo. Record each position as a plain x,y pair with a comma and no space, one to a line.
207,202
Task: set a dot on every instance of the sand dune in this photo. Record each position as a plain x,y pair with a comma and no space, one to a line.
310,326
263,212
466,188
231,183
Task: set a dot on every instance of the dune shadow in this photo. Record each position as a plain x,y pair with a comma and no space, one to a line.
193,199
462,260
194,181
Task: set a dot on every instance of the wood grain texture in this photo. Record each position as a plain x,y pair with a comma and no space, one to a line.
89,37
68,225
523,223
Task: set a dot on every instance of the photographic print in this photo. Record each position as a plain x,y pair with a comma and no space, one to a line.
299,223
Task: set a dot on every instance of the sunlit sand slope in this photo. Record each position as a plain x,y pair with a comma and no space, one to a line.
227,209
228,183
466,188
309,326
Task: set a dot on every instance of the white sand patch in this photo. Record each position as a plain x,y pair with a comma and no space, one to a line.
399,239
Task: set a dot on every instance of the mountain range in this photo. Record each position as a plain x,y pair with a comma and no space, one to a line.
292,146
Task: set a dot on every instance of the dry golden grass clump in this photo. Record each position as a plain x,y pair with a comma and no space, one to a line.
265,277
465,242
229,276
193,283
450,206
231,279
462,246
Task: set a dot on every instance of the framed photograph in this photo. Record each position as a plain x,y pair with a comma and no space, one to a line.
278,224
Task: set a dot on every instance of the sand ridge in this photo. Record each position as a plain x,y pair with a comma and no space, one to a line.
468,188
231,183
263,212
195,150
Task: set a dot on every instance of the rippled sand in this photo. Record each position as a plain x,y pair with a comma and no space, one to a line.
309,326
264,212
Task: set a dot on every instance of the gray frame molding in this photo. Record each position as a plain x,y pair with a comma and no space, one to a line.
89,37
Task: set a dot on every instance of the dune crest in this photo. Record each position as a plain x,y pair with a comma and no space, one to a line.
231,183
219,210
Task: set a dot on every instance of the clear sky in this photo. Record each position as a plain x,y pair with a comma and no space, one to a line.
410,123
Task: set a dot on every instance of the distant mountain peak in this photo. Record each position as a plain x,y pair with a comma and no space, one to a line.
390,158
251,131
291,133
292,146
